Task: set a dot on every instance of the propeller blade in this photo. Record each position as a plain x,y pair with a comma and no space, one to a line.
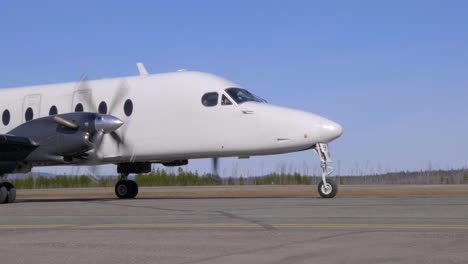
93,156
93,172
97,140
88,100
119,96
117,138
215,166
120,142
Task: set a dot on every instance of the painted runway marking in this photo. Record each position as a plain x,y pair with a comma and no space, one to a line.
37,226
233,225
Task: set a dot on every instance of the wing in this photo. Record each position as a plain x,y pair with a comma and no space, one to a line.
13,148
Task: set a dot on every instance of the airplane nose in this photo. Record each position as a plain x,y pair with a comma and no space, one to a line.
331,130
107,123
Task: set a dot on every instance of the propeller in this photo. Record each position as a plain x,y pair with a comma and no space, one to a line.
116,101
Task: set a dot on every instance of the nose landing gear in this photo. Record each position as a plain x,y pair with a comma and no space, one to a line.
327,188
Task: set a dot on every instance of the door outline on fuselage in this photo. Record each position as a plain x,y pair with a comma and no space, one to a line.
32,101
82,96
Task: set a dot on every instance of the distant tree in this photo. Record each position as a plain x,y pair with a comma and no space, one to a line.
215,179
231,181
241,180
297,178
306,180
85,181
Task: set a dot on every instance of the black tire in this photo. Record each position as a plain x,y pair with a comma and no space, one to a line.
328,193
123,189
133,187
11,192
3,194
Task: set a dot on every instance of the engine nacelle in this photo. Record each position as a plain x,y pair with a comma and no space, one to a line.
56,140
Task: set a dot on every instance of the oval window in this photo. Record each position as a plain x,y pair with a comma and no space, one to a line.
102,108
79,108
210,99
53,110
6,117
128,107
29,114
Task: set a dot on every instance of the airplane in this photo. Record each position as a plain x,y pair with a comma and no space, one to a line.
136,121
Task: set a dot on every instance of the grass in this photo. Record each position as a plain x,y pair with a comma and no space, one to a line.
156,178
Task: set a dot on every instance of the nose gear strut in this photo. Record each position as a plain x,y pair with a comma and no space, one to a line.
326,188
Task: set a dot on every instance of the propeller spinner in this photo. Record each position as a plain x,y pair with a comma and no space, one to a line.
107,123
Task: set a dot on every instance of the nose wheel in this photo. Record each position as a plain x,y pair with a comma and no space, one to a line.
327,188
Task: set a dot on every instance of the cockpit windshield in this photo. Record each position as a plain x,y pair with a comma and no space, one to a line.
241,96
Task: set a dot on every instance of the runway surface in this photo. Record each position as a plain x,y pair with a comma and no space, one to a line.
371,229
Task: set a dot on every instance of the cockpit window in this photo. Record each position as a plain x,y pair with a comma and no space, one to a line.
210,99
225,101
241,96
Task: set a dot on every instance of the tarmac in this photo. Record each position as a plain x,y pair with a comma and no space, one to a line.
213,227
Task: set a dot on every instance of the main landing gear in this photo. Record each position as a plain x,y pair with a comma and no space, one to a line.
7,191
125,188
327,188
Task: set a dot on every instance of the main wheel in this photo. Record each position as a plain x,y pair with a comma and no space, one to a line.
122,189
134,187
11,192
126,189
3,194
327,190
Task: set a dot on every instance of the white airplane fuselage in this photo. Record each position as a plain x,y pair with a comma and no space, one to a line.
169,121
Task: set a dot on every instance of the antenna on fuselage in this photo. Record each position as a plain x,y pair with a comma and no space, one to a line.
142,69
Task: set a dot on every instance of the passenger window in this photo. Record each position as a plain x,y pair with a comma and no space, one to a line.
102,109
53,110
225,101
210,99
6,117
79,108
29,114
128,107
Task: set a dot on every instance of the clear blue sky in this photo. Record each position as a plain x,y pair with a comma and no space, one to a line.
393,73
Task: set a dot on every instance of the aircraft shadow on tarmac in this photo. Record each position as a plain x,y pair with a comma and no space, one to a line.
61,200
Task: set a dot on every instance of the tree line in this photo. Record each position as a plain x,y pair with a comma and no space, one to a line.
161,177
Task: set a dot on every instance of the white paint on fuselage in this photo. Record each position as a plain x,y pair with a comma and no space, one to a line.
169,121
